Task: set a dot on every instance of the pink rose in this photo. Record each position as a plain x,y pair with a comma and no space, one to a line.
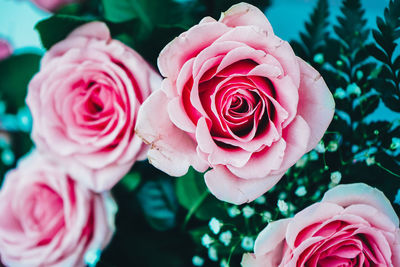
236,99
5,49
353,225
53,5
84,103
49,220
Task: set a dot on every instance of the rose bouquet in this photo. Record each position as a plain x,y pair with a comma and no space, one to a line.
167,127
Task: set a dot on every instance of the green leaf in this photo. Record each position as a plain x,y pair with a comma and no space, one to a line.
159,203
131,181
193,194
316,33
57,27
377,53
366,107
151,46
150,13
119,11
15,74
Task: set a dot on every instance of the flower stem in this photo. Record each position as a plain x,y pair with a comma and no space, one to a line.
194,208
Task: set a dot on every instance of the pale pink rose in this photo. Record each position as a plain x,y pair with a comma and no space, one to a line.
236,99
84,103
5,49
353,225
53,5
47,219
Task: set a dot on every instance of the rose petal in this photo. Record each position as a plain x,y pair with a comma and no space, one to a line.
360,193
262,163
245,14
271,237
172,150
296,136
227,187
186,46
316,104
96,29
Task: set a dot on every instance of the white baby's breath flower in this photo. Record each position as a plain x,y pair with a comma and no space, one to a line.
215,225
206,240
197,261
226,237
247,243
233,211
266,216
301,191
282,206
260,200
320,148
336,177
213,254
248,211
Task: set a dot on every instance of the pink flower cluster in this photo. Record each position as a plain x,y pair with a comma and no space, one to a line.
55,206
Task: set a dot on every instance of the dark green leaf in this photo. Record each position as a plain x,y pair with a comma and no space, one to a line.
366,107
119,11
316,32
192,194
15,74
57,27
159,204
131,181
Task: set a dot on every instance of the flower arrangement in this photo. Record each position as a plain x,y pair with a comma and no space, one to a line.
167,127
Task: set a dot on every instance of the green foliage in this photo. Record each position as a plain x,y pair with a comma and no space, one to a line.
314,39
16,72
384,50
159,203
57,27
193,194
131,181
150,13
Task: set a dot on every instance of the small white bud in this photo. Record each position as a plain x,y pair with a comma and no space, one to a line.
336,177
248,211
206,240
282,206
247,243
260,200
226,237
320,148
233,211
215,225
301,191
197,261
212,254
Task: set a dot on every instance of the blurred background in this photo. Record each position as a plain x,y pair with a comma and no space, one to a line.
18,17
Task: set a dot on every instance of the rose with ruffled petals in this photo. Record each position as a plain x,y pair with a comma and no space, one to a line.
353,225
84,103
47,219
236,99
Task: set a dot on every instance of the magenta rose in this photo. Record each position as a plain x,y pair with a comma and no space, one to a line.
53,5
236,99
84,103
47,219
5,49
353,225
